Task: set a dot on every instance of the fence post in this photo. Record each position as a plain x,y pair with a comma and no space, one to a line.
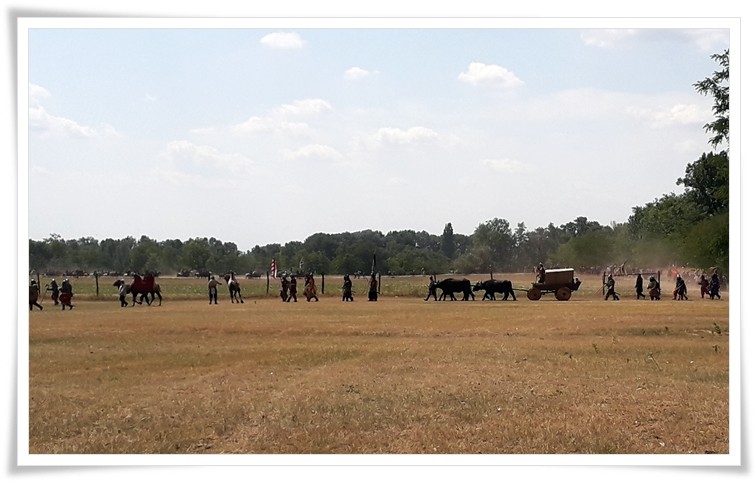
97,284
322,283
267,284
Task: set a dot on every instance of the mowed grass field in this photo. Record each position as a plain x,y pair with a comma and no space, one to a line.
400,375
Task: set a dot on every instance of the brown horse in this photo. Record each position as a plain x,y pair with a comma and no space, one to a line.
145,287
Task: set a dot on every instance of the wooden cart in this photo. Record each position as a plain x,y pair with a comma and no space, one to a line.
559,281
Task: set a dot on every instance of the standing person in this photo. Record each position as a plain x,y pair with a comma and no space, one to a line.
639,287
66,294
431,289
610,289
373,288
212,290
654,291
714,287
346,289
53,286
34,296
292,289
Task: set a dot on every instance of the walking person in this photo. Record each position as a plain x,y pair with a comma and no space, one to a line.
681,290
704,283
654,290
639,287
714,287
53,287
373,288
431,289
122,288
66,295
212,290
610,289
34,296
310,290
292,289
346,289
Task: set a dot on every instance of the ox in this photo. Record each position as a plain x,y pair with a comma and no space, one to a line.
450,286
491,287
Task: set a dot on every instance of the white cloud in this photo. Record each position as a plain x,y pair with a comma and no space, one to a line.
607,37
181,156
36,94
285,40
269,125
391,135
489,75
356,73
47,124
314,151
678,114
304,107
507,166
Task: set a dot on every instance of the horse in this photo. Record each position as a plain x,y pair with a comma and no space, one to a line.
234,290
145,287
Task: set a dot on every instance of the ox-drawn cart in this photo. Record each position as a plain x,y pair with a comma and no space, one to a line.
559,281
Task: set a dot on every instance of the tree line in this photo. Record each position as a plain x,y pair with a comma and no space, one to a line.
690,229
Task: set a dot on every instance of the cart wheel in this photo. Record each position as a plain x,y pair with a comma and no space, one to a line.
563,294
534,294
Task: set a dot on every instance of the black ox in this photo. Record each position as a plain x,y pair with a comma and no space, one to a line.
450,286
491,287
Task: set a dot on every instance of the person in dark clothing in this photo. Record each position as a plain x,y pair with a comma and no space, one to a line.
53,287
610,289
66,295
346,289
541,274
639,287
681,290
373,288
292,289
654,290
34,296
714,287
704,283
432,290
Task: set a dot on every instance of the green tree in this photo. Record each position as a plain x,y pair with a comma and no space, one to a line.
447,241
718,86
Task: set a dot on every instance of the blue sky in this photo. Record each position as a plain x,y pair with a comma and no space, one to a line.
268,132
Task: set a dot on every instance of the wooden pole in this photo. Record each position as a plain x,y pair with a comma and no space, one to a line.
97,284
267,285
322,283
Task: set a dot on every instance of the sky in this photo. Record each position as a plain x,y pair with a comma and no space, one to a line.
265,132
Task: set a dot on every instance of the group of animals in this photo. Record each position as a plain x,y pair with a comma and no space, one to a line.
147,289
491,287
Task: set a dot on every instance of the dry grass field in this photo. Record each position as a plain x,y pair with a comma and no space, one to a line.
397,376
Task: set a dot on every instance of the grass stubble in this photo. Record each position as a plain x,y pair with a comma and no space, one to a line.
399,376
